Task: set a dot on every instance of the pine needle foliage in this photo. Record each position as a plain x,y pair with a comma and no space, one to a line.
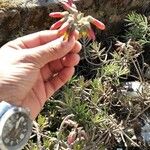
138,28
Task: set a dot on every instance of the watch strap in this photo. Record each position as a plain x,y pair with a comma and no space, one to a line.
4,106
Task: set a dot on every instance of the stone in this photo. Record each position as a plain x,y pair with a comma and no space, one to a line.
2,16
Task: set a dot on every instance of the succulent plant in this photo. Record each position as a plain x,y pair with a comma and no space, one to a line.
72,19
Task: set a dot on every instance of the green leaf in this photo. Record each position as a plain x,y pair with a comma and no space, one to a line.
41,120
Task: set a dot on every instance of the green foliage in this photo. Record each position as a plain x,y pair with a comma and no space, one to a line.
82,113
97,89
115,69
100,119
41,120
96,51
98,109
72,102
139,28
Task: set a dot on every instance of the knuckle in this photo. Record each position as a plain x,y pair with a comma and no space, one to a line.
53,51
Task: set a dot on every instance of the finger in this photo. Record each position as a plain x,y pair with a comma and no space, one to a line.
70,60
35,39
52,68
51,51
58,81
77,47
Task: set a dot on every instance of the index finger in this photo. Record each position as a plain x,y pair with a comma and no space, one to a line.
35,39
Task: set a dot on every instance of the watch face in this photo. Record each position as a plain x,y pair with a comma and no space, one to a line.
16,129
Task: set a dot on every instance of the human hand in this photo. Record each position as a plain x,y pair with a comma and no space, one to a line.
35,66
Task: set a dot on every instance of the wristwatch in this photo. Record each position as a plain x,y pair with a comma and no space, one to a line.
15,126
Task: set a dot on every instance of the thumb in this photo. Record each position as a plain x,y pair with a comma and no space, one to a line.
53,50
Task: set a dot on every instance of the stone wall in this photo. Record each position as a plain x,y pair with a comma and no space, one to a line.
20,17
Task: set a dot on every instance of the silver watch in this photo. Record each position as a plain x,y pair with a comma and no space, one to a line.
15,126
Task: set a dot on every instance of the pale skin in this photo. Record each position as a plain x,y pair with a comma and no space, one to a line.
34,67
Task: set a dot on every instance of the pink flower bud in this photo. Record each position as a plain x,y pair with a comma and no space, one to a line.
97,23
71,137
58,14
70,2
68,7
57,24
90,33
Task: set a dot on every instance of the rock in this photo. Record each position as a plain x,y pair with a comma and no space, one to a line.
20,17
135,89
2,16
146,133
